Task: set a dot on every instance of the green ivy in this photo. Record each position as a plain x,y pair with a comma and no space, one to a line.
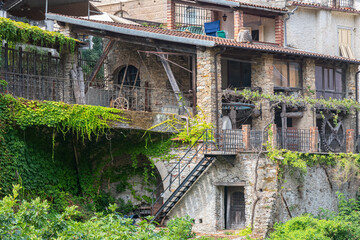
347,105
83,120
20,32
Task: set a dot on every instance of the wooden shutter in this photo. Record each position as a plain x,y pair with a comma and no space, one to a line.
345,43
261,33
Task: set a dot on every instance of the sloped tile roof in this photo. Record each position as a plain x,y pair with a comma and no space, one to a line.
317,5
179,37
245,4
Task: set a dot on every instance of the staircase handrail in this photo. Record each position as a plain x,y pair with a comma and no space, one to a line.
176,167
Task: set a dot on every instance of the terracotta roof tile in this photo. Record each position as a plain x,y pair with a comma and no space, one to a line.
245,4
317,5
262,47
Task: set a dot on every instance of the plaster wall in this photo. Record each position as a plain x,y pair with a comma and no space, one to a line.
317,30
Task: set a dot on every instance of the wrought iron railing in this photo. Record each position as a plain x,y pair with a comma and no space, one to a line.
295,139
36,87
191,16
223,141
177,174
332,3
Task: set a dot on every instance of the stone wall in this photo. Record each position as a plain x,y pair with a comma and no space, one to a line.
206,88
152,73
262,76
294,193
308,194
309,90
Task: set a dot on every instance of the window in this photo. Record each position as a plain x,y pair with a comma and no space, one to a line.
287,74
190,16
239,74
329,82
345,43
131,78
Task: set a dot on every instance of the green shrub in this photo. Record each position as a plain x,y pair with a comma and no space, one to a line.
32,220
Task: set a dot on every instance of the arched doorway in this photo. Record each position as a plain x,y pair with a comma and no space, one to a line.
130,75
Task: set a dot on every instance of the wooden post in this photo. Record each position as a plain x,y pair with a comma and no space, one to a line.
350,144
246,137
313,139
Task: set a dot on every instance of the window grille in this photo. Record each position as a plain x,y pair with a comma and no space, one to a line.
191,16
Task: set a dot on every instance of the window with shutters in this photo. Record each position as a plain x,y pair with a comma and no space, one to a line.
287,74
329,82
345,42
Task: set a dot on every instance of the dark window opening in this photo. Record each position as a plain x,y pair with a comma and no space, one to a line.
131,78
255,34
287,74
239,74
329,82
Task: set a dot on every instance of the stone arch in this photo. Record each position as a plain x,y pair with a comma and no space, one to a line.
128,74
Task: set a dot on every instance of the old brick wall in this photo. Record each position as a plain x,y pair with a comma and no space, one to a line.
149,10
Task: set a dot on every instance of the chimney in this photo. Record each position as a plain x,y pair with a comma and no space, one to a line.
244,35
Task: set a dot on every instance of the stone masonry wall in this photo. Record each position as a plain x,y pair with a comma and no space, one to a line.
309,90
206,94
262,76
152,73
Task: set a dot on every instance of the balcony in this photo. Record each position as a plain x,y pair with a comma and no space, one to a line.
225,142
332,3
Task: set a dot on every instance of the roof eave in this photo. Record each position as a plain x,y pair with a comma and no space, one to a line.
133,32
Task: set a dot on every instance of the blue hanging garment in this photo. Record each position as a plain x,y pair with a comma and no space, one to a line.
212,27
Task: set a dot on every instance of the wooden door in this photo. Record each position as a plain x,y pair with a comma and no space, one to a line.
235,207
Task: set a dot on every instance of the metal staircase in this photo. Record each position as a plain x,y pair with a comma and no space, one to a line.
179,179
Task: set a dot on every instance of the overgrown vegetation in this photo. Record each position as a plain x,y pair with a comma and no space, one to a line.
32,220
327,226
19,32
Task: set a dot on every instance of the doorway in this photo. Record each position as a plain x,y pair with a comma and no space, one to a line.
234,207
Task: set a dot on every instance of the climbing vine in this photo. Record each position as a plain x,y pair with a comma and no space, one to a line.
347,105
82,120
20,32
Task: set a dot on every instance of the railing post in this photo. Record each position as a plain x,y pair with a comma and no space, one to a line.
350,144
272,136
246,137
313,139
6,59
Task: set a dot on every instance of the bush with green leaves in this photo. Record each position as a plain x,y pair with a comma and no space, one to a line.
32,220
329,225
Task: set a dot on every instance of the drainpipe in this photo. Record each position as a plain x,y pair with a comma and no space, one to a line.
285,20
217,89
357,100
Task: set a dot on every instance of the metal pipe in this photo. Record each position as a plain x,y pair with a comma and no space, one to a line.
357,100
285,20
46,8
217,90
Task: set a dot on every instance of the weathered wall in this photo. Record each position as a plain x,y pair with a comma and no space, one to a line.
205,202
300,193
262,76
152,73
149,10
206,87
317,30
307,194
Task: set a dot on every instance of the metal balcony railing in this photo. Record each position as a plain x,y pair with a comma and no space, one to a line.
36,87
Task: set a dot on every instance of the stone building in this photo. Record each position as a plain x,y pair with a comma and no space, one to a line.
226,181
146,69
